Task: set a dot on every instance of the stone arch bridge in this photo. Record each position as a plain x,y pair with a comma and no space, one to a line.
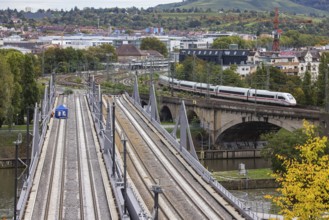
229,121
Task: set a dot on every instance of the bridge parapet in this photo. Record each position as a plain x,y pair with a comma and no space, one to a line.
246,108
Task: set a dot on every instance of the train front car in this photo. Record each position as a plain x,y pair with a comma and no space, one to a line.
164,80
289,99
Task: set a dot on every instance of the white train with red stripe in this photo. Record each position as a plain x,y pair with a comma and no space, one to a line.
238,93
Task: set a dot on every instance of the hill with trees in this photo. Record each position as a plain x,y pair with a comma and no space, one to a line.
318,4
170,19
291,6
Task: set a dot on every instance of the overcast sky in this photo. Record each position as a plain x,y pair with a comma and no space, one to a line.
68,4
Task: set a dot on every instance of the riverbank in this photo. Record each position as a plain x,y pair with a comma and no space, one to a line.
229,154
248,179
7,146
10,162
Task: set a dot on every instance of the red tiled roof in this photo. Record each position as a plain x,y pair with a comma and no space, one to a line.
128,50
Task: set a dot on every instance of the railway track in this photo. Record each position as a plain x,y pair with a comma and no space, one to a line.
186,195
71,171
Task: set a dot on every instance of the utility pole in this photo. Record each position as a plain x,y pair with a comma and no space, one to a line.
221,71
152,71
209,136
124,140
107,67
172,77
27,138
156,189
43,61
17,142
326,87
193,72
100,108
208,86
267,78
113,139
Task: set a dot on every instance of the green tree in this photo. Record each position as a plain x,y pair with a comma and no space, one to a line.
103,52
320,83
232,78
15,60
308,90
30,92
282,143
304,188
6,89
153,43
224,42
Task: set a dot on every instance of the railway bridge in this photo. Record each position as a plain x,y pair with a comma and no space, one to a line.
232,121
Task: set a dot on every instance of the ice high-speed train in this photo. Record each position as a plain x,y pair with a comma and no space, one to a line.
229,92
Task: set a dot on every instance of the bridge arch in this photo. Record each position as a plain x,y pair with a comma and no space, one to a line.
249,130
165,114
143,103
192,117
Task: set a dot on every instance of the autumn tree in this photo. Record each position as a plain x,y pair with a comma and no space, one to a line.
304,188
153,43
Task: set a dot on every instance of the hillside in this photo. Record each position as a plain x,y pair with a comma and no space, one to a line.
290,6
318,4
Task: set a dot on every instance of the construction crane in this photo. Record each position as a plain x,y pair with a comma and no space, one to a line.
276,32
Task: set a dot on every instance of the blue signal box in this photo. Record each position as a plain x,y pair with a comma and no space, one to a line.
61,112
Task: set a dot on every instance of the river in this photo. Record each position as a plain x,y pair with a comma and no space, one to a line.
7,184
254,198
233,164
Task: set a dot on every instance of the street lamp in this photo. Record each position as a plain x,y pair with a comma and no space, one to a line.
28,136
17,142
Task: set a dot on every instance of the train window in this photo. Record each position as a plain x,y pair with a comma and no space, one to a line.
263,96
290,97
231,92
186,86
281,97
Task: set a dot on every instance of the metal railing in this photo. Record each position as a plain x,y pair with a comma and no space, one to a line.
199,168
37,143
135,207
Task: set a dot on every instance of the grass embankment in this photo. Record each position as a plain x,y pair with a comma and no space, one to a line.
264,173
7,137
